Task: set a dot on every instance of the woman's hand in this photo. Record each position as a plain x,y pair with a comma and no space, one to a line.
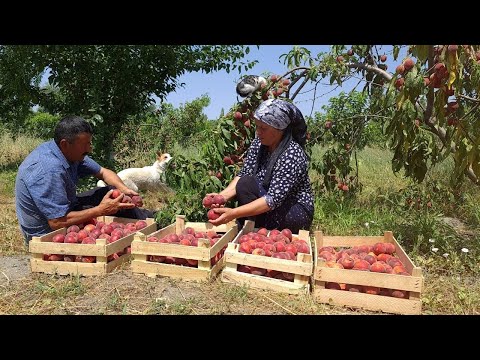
226,215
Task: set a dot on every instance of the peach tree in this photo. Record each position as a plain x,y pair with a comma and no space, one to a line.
429,103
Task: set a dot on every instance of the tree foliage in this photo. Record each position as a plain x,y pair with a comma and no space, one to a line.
104,83
429,103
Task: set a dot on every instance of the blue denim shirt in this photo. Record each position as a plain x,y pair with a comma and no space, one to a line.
45,187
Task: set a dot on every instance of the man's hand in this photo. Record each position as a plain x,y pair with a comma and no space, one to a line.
109,206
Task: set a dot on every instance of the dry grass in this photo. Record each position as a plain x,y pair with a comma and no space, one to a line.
12,152
121,292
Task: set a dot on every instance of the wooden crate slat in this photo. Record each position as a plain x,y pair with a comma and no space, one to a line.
390,281
67,249
67,268
262,282
351,240
290,266
369,302
170,270
174,250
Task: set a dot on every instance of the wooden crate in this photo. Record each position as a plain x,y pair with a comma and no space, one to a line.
203,253
302,268
44,245
323,274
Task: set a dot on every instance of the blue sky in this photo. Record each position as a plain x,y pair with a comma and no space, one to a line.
220,86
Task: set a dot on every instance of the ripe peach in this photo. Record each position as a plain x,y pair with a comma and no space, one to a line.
73,228
192,262
401,294
89,240
389,248
137,200
372,290
258,251
361,265
262,231
140,224
107,229
59,238
400,270
347,262
274,232
115,193
287,233
89,259
383,257
219,199
379,248
377,267
55,257
212,215
333,264
258,271
69,258
245,248
354,288
208,200
408,64
89,227
333,286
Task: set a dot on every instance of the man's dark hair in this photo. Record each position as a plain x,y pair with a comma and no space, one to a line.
70,127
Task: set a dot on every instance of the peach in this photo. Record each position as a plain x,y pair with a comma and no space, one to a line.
258,271
291,255
89,240
377,267
245,248
219,199
372,290
89,227
152,239
287,233
389,248
115,193
262,231
107,229
399,294
361,265
258,251
137,200
69,258
73,228
243,238
212,215
288,276
55,257
208,200
328,256
333,286
140,224
383,257
347,262
274,232
354,288
89,259
399,269
333,264
185,242
192,262
279,246
293,249
323,248
393,261
379,248
59,238
370,259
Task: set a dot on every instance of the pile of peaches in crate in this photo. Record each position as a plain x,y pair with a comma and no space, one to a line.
188,237
379,258
275,244
88,232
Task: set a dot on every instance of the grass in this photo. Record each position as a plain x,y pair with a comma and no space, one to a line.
451,285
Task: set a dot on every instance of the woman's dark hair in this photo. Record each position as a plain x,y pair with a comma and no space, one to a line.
70,127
